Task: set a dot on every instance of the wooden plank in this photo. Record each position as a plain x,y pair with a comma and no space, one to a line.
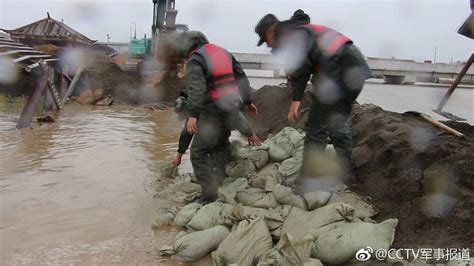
64,82
30,106
455,83
72,85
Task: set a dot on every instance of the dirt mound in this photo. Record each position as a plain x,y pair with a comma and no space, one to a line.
123,87
273,103
121,58
172,85
409,169
131,87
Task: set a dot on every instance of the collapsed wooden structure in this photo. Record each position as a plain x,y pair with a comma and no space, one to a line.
45,75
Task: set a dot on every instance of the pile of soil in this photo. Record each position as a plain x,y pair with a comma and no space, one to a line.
408,168
273,103
131,87
122,86
172,85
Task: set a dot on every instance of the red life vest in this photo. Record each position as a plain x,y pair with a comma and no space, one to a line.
220,72
329,40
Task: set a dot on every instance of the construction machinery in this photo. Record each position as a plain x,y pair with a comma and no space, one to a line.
160,46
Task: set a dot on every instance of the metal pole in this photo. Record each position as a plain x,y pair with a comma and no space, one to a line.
455,83
133,23
436,50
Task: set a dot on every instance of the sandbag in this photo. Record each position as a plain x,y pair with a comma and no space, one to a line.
299,152
240,168
180,192
196,245
267,177
210,215
229,189
290,168
179,235
362,207
276,153
185,178
257,198
285,196
340,244
249,241
258,155
274,218
169,170
300,223
186,213
290,252
284,144
164,218
316,199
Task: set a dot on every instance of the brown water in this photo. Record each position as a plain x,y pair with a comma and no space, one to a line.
81,190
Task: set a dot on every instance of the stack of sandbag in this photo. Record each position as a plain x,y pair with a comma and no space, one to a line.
258,219
246,159
285,144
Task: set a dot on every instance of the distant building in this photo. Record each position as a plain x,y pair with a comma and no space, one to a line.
49,31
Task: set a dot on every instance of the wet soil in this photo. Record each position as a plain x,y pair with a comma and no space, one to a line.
408,168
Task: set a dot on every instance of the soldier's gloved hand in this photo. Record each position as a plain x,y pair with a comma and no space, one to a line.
251,109
254,140
191,125
294,112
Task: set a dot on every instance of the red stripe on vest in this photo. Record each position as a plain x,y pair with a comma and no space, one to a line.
338,42
326,33
318,28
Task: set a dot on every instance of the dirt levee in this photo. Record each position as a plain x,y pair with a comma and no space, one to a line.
408,168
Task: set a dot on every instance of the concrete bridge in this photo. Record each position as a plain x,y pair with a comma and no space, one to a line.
392,70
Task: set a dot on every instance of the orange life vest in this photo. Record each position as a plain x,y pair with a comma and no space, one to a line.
220,72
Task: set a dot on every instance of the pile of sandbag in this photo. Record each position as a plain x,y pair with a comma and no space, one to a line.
257,220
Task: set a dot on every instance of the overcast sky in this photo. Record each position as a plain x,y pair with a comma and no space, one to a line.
408,29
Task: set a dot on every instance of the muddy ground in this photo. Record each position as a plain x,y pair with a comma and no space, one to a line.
134,87
408,168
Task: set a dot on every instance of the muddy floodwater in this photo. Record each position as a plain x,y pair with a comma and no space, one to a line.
82,190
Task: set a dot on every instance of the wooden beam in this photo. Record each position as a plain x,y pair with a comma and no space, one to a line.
72,85
30,106
455,83
64,82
